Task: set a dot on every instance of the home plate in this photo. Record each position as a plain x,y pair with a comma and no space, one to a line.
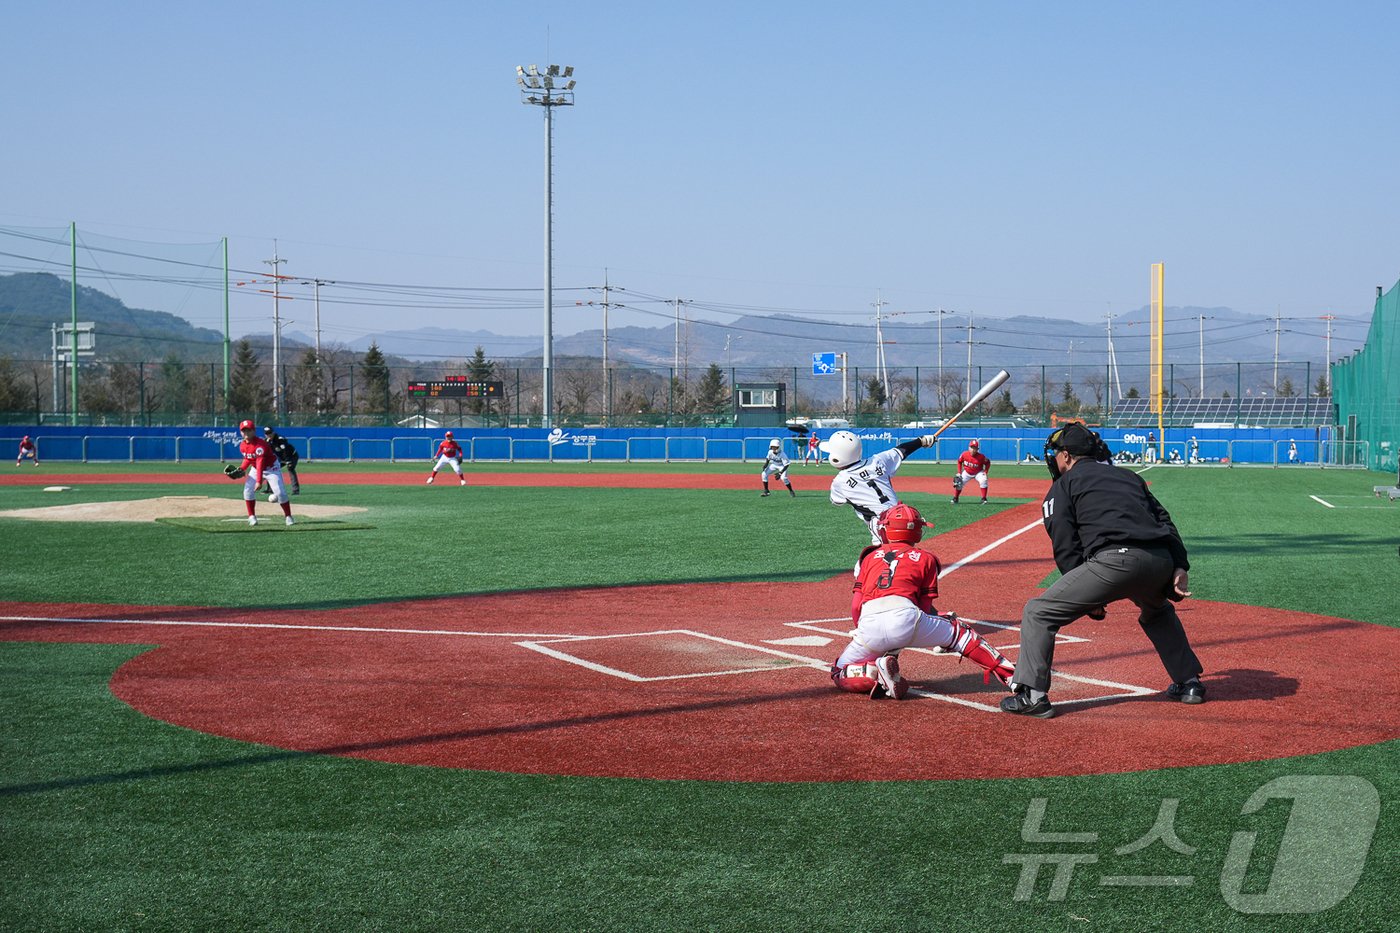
801,641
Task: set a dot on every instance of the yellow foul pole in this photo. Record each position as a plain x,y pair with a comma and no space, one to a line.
1159,404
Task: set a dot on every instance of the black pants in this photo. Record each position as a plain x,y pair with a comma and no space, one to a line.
1143,575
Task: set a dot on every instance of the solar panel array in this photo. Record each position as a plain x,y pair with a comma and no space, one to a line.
1293,412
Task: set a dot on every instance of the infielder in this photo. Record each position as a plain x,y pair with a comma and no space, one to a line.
892,606
813,451
449,453
972,464
865,483
259,465
27,449
777,463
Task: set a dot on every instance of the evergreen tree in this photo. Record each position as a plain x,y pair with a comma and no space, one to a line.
374,373
875,392
1003,404
479,369
248,395
174,387
307,392
1322,389
710,391
1285,389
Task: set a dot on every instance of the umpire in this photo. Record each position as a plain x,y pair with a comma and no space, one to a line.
287,454
1112,540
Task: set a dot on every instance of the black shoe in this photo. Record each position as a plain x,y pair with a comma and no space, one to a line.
1193,691
1021,704
765,492
791,493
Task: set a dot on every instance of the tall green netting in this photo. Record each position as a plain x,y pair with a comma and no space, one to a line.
1366,390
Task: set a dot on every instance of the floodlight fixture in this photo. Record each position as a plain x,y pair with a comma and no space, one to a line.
551,98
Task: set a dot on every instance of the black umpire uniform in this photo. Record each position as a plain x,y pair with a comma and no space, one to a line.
1112,540
286,454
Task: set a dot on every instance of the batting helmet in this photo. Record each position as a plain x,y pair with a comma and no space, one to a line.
901,523
843,449
246,426
775,444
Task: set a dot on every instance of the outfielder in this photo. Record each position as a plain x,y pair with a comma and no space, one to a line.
892,606
27,449
259,465
972,464
813,450
778,463
449,453
865,483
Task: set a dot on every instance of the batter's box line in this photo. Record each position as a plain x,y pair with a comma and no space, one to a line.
541,646
1123,690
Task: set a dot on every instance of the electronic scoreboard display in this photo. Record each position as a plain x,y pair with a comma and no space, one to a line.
456,387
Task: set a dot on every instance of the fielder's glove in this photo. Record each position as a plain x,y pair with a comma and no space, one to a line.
233,472
928,440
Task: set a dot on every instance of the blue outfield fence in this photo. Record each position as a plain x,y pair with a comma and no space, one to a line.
1222,446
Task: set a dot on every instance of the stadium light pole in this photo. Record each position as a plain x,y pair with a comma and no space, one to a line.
554,87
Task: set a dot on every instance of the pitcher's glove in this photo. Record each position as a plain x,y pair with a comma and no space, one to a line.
233,472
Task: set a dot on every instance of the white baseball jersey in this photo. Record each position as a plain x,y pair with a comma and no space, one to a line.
777,462
866,487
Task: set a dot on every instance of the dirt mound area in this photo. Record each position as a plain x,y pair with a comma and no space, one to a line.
148,510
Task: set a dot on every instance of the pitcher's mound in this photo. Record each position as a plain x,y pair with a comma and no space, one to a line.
148,510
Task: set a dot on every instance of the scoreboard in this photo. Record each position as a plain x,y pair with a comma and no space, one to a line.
456,387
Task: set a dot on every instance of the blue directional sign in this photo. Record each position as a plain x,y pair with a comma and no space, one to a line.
823,364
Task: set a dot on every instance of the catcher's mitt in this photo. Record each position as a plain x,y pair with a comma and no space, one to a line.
233,472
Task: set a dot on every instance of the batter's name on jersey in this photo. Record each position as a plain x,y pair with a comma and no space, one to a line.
864,476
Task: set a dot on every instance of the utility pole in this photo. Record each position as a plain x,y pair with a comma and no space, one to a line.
1113,359
880,347
1277,314
1203,355
1327,363
969,389
274,262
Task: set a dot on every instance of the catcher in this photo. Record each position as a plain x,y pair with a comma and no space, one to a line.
259,463
449,452
892,606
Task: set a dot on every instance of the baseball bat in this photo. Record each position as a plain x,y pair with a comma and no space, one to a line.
992,385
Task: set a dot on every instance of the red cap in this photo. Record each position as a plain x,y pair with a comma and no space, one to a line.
448,434
246,426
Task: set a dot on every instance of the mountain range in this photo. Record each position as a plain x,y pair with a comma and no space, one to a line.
31,302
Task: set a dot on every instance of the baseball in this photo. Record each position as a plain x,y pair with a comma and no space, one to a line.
272,497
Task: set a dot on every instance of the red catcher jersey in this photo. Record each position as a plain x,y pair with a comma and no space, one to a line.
973,463
449,449
897,569
257,455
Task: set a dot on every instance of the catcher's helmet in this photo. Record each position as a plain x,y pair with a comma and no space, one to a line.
843,449
246,426
901,523
973,445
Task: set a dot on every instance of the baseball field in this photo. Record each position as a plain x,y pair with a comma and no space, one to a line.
595,697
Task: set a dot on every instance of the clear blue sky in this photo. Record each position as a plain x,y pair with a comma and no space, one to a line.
1001,158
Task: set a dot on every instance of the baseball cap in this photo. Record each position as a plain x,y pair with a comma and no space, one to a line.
447,434
246,426
1074,438
267,430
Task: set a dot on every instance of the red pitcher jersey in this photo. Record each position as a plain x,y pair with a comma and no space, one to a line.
257,456
897,569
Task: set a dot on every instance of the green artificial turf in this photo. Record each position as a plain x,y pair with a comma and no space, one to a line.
267,524
115,821
111,820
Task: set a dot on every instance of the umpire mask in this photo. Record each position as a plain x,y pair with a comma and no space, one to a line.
1074,438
